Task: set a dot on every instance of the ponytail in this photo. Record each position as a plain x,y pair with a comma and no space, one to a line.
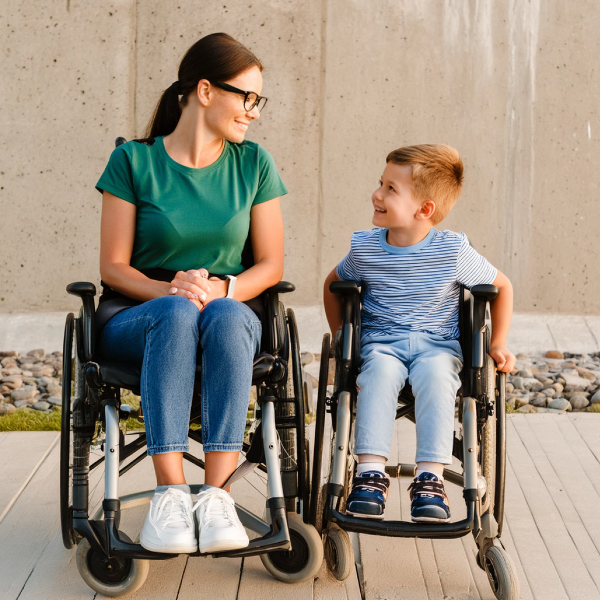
216,57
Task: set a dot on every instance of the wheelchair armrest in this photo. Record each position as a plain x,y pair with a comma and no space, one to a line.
344,288
86,291
283,287
485,292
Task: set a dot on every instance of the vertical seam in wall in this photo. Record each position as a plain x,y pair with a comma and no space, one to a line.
322,99
133,85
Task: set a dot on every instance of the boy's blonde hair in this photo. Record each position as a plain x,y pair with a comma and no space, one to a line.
437,173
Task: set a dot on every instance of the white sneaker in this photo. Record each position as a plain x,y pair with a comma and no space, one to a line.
220,527
169,525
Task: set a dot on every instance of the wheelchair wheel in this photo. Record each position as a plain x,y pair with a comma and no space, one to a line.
488,436
339,553
501,573
111,577
303,560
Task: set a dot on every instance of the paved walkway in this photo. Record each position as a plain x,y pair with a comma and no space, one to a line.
529,332
552,530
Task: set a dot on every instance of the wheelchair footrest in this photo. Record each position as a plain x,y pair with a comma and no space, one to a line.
404,528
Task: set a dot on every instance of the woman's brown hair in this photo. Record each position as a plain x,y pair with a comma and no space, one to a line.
216,57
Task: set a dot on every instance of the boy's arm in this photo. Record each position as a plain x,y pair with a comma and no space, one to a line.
333,303
501,312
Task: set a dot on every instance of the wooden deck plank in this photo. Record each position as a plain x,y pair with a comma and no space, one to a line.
21,454
588,428
571,491
573,575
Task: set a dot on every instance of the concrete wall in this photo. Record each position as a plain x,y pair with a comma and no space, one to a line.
512,85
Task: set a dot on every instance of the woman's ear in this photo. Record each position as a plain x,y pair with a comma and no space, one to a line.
203,90
426,210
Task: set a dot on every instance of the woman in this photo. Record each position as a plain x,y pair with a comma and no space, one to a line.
176,207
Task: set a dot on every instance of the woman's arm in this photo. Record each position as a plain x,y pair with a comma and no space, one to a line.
117,233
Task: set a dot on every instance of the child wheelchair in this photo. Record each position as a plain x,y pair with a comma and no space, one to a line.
479,444
108,561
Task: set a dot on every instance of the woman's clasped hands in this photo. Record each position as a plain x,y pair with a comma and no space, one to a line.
196,286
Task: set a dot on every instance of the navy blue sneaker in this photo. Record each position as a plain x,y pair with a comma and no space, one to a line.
429,500
368,496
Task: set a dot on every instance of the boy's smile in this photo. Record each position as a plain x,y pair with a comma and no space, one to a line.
394,203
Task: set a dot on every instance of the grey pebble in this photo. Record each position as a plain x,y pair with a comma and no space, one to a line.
41,405
579,401
20,403
54,400
7,409
596,398
525,373
560,404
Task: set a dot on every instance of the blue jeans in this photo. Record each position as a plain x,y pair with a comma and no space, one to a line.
432,365
168,336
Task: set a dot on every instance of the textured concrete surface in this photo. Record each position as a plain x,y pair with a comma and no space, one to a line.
512,85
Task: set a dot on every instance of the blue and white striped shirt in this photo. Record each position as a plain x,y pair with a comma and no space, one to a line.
413,287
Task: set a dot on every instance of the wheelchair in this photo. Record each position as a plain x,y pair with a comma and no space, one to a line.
479,444
275,443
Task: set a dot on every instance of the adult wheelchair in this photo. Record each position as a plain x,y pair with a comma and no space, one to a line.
109,562
479,444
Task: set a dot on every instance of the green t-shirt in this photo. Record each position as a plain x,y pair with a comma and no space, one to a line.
190,218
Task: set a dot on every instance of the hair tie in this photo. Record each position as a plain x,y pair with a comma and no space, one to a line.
176,87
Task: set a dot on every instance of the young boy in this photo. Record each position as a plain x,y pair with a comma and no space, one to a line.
411,273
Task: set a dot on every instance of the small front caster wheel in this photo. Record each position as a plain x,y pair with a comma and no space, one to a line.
501,573
111,577
303,560
339,553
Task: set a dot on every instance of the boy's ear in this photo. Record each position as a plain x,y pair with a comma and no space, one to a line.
426,210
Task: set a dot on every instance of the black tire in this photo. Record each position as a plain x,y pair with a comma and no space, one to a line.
303,560
315,514
339,553
501,573
69,536
111,577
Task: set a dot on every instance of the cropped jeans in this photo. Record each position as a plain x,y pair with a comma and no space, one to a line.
168,336
432,365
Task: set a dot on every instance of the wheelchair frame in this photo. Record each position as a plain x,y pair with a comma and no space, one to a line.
96,398
481,402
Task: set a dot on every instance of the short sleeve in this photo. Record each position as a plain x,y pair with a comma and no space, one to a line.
348,268
270,184
117,178
472,268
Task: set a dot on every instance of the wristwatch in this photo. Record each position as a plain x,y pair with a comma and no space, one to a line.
231,288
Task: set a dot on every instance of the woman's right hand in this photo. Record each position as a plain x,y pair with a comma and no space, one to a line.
193,285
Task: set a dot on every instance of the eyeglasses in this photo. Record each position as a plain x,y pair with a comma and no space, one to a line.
251,99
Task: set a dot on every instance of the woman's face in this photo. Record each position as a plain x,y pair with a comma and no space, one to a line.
226,114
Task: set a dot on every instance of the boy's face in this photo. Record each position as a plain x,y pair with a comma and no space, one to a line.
394,204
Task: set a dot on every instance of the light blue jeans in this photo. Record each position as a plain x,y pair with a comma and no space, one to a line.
431,364
168,336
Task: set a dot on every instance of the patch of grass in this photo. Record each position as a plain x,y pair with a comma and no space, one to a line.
594,408
510,409
28,419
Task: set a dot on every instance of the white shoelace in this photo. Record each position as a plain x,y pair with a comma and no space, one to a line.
173,509
219,510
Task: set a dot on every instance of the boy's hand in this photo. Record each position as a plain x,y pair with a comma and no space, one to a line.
505,359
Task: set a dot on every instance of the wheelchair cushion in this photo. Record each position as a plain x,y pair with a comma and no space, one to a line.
128,376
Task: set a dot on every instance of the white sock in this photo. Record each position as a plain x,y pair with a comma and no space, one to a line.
370,466
419,471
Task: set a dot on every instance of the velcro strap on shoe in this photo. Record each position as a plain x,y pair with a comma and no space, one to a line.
380,484
431,488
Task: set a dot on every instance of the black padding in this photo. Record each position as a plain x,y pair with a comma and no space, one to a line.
81,288
487,292
344,288
120,141
283,287
128,376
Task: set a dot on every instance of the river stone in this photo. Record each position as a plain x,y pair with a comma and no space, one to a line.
554,354
8,361
558,387
576,380
550,392
54,389
596,398
517,382
41,405
13,381
539,400
4,389
579,401
25,393
39,353
522,400
587,373
527,409
560,404
12,371
54,400
525,373
43,371
509,387
7,409
20,403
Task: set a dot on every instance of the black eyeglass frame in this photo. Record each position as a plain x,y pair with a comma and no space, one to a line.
229,88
